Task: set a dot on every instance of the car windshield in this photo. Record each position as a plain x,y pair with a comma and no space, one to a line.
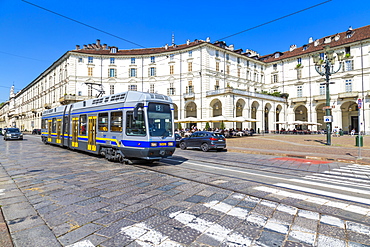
13,130
159,120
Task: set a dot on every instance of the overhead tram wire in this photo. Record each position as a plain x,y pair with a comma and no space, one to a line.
277,19
79,22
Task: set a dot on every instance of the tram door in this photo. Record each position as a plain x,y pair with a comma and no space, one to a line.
75,132
49,130
91,143
59,130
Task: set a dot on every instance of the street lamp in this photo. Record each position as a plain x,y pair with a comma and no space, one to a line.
325,67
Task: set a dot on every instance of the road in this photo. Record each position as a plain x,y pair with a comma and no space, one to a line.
52,196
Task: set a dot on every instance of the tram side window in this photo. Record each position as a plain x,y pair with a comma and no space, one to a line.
43,123
83,125
135,127
116,121
54,125
65,123
103,121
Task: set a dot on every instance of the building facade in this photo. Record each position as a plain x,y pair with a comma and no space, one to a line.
207,79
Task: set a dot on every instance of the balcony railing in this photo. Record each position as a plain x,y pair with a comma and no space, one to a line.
243,92
348,95
189,95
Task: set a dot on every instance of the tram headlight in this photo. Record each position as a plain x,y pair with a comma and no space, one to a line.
170,144
153,144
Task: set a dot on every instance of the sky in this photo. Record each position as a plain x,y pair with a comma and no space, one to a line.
31,38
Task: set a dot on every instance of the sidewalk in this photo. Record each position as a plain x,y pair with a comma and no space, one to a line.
343,148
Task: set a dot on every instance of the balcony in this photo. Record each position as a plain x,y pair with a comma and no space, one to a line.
69,99
299,99
189,96
348,95
229,90
319,97
47,106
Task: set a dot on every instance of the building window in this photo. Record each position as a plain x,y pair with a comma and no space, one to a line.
172,69
322,56
299,60
152,59
347,51
228,69
132,72
90,60
299,91
171,89
111,89
90,71
247,63
299,74
151,89
80,60
238,72
217,66
274,66
189,88
348,86
132,87
322,89
348,65
190,66
274,78
190,53
112,73
238,60
152,71
133,60
217,85
112,60
113,50
217,54
227,57
172,57
89,90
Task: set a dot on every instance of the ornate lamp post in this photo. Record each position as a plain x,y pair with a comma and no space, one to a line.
325,67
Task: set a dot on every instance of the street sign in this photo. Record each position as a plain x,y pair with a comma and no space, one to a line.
326,107
359,103
327,119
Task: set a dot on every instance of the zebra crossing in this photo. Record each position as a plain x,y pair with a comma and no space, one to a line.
345,188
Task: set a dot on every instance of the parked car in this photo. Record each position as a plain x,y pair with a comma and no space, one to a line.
13,134
36,132
177,139
204,140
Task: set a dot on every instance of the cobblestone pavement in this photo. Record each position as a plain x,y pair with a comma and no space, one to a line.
55,197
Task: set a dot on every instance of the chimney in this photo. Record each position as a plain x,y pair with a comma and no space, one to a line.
208,39
77,47
166,47
188,42
85,47
98,43
292,47
104,46
310,40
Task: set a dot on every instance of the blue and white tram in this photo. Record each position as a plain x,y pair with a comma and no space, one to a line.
121,127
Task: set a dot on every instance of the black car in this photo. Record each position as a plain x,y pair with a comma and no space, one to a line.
36,132
204,140
13,134
177,139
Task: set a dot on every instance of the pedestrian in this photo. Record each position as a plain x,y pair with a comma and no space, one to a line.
353,132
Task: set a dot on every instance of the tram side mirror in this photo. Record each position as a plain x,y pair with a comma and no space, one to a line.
139,106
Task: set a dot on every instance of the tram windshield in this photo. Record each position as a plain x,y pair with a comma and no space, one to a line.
159,120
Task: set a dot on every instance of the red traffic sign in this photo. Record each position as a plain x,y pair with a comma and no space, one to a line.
359,103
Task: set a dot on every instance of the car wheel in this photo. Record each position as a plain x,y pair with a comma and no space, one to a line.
204,147
182,145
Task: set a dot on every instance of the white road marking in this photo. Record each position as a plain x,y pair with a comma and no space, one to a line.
85,243
319,201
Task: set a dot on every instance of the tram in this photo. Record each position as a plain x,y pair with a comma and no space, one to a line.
121,127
